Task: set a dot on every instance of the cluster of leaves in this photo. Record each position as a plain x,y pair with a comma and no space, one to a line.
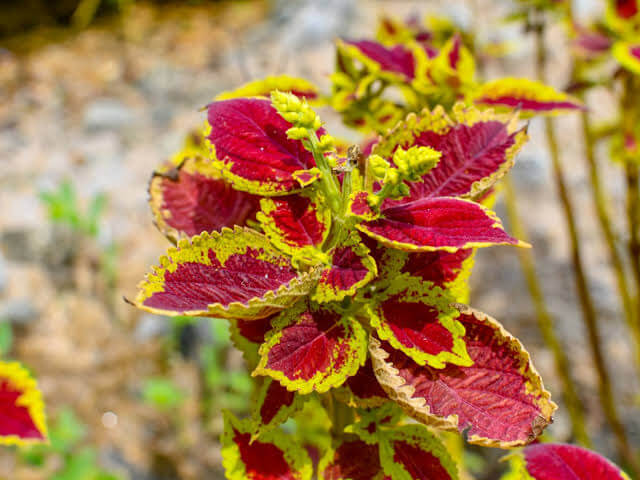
344,274
616,36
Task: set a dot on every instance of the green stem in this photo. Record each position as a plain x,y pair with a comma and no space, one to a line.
602,211
545,321
586,301
341,416
328,182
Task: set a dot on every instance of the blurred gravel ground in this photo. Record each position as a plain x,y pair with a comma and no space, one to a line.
103,108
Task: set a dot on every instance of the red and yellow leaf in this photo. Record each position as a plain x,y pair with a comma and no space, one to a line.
252,150
351,268
294,222
273,405
231,274
529,96
500,399
248,335
555,461
398,61
440,223
192,198
478,148
423,327
362,390
22,418
274,456
312,349
263,87
353,459
411,452
628,54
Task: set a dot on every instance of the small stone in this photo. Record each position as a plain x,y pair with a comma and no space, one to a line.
108,114
151,326
19,311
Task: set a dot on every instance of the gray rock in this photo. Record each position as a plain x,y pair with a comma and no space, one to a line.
108,114
151,326
19,311
4,276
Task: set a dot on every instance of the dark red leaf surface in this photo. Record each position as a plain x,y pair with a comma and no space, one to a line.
437,267
364,385
263,461
499,398
627,8
276,398
548,461
15,419
250,139
354,460
191,203
195,286
397,59
469,154
420,464
442,223
254,330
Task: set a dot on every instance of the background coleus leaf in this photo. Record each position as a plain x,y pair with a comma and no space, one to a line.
362,390
411,452
273,405
441,223
252,149
274,456
397,60
628,54
192,198
312,348
231,274
263,87
500,399
529,96
294,222
549,461
352,459
351,268
22,418
423,327
478,148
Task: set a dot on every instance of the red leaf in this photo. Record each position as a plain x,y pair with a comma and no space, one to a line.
437,267
251,143
363,390
548,461
420,330
443,223
254,330
352,460
396,59
627,8
500,399
421,465
294,222
234,274
187,202
312,350
469,154
351,268
274,456
22,418
276,398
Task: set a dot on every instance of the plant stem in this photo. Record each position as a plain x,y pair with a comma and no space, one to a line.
602,210
545,321
586,301
341,416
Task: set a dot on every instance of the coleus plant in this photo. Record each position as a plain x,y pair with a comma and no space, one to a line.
22,418
342,276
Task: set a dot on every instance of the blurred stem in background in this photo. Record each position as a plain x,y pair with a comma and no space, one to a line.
545,321
586,300
629,116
